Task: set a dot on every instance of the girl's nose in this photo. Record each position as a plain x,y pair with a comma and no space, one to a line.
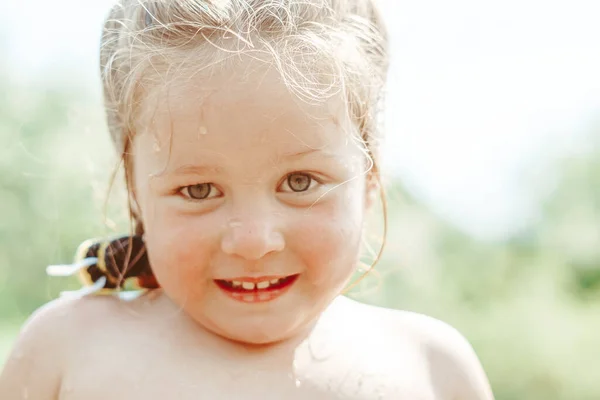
252,238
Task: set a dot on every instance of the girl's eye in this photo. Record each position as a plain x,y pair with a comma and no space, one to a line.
298,182
200,191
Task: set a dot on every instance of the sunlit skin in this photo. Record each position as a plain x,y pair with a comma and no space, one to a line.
238,180
253,206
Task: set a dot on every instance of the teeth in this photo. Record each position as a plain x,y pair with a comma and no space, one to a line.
251,285
263,285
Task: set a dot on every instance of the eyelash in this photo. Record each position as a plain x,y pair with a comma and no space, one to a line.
313,181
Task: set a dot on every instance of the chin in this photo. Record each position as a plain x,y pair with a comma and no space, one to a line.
257,339
257,334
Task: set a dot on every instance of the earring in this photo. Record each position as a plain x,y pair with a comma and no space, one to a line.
109,265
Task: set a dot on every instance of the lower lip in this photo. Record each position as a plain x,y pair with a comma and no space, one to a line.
257,295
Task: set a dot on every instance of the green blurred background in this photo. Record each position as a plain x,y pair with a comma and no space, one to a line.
529,300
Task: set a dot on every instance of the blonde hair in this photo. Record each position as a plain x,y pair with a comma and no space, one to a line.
320,48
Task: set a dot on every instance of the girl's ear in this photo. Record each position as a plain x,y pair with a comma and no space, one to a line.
371,189
134,211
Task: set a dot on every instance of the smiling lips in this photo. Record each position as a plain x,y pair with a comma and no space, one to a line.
253,290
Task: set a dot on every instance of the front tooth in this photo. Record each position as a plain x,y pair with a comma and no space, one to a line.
274,281
237,283
262,285
248,285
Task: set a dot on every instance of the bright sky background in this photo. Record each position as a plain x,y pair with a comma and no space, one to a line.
478,92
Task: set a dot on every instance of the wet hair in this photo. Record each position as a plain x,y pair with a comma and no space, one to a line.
321,48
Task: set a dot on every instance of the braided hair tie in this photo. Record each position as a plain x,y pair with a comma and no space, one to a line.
108,266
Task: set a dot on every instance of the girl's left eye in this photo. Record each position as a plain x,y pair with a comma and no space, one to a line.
299,182
200,191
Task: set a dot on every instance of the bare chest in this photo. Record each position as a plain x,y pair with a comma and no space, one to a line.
172,372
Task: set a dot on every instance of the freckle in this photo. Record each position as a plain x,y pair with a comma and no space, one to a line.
336,120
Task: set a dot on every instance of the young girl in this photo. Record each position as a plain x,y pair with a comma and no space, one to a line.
248,132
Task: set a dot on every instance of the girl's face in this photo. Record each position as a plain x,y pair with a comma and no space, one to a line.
252,201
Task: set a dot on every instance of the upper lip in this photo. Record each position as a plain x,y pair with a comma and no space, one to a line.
255,279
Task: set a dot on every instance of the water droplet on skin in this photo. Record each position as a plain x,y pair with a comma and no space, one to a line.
298,383
235,224
202,130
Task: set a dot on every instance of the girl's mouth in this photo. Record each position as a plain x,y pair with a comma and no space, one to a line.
253,290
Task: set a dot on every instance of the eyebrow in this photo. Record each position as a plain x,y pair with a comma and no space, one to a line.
193,169
303,153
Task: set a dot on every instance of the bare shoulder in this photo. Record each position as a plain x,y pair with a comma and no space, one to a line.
47,340
454,368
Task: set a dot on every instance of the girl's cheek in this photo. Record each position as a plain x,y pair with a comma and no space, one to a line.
180,244
329,243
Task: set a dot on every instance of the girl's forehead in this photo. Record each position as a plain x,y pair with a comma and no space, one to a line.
247,108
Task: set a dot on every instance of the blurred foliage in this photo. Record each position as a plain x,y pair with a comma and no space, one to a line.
530,305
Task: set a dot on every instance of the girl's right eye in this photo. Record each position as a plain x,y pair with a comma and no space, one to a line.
200,191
